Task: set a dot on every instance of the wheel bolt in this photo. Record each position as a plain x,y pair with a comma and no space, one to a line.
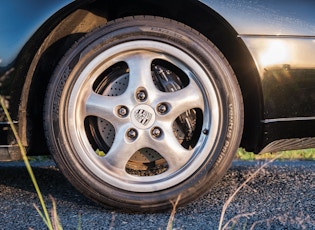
156,132
132,134
162,108
141,95
123,111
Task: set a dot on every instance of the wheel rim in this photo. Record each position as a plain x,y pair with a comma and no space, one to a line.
141,116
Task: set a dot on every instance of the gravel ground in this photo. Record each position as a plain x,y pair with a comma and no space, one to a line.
282,196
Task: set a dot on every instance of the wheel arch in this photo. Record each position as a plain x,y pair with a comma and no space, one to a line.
80,20
60,33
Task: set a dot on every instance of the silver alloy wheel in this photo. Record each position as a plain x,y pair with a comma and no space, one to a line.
132,133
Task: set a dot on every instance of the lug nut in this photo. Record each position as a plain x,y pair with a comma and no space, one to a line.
162,108
123,111
132,134
141,95
156,132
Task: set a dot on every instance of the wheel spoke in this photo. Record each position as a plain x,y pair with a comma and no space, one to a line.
171,150
121,151
182,100
140,71
101,106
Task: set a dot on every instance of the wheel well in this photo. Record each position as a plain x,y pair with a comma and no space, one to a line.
52,49
83,20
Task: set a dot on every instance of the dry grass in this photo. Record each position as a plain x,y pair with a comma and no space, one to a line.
45,216
172,216
251,177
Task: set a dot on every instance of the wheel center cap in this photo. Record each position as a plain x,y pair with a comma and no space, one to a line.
142,116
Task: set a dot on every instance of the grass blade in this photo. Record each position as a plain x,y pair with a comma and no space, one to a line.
172,216
27,164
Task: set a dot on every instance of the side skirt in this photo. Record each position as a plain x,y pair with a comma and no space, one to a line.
292,144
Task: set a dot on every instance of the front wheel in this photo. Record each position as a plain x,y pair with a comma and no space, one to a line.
141,111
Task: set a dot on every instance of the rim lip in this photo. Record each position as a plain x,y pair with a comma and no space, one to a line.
203,149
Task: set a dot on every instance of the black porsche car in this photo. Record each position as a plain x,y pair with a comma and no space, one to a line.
140,101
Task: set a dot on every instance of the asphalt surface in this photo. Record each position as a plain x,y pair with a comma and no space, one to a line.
282,196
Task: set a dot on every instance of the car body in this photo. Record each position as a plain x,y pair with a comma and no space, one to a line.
269,45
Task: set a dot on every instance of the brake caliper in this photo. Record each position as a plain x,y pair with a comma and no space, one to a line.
168,81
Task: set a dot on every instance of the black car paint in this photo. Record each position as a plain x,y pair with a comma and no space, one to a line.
286,88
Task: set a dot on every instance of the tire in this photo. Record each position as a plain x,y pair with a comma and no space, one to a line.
141,111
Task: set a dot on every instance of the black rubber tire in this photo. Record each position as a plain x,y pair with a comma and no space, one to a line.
59,125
